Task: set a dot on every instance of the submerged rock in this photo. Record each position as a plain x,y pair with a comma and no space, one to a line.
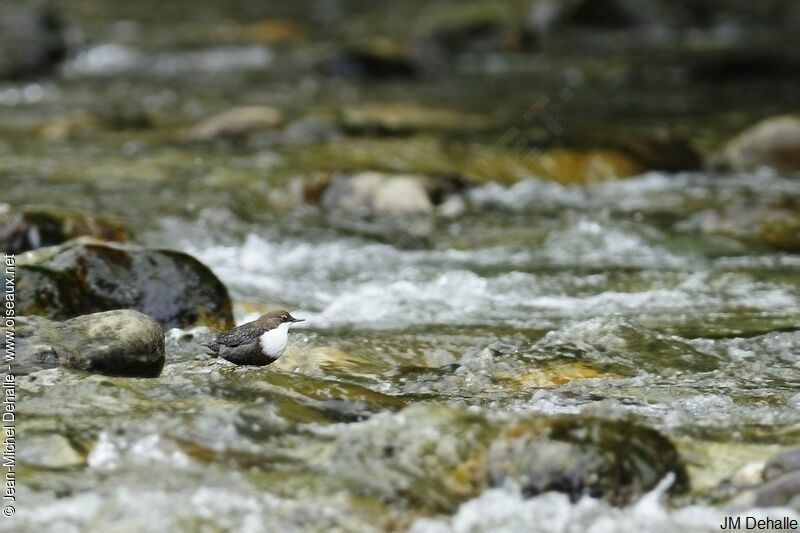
436,457
32,42
774,142
118,343
617,344
26,228
773,227
86,276
614,460
235,123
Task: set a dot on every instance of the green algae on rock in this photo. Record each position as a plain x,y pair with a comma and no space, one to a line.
118,343
29,227
86,276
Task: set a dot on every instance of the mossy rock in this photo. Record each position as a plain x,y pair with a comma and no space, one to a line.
117,343
435,457
30,227
617,461
567,166
87,276
428,155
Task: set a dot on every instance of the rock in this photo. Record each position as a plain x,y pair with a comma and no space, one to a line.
782,491
774,143
773,227
435,457
617,344
618,461
32,42
51,451
86,276
567,166
479,164
782,463
373,193
368,64
235,123
405,117
400,155
424,455
118,343
548,16
29,227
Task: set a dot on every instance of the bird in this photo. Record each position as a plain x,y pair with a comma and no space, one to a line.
257,343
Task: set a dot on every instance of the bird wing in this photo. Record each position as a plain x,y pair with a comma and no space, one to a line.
239,336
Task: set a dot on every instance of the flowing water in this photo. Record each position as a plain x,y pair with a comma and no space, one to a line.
539,299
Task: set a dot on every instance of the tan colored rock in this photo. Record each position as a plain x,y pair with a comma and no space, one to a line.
234,123
568,166
401,117
380,194
774,143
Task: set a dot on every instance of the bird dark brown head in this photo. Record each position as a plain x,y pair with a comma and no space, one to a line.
275,318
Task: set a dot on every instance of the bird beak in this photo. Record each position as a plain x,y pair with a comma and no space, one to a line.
298,319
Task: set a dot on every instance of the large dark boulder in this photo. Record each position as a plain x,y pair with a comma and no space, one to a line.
118,343
32,42
26,228
87,276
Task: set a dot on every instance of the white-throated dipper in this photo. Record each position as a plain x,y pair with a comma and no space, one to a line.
257,343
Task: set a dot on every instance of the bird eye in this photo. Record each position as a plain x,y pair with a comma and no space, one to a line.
285,317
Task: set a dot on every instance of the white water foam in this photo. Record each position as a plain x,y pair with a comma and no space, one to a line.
504,510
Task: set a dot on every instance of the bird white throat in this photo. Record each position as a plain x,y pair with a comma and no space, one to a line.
273,342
